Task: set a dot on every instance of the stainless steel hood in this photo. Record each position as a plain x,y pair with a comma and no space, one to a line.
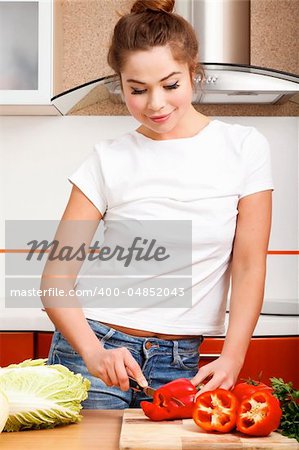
223,30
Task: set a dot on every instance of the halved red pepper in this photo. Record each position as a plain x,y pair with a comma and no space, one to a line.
174,400
259,414
248,387
216,410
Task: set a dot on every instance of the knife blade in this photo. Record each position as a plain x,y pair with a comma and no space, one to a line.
149,391
136,387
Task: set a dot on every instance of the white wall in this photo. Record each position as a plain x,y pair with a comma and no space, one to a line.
38,153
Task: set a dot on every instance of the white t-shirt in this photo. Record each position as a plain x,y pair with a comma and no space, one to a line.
200,178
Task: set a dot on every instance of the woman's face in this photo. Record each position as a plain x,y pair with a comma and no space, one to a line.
158,92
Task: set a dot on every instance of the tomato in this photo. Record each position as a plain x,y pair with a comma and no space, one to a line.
259,414
216,410
243,390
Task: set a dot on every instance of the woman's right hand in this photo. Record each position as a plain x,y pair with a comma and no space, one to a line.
114,367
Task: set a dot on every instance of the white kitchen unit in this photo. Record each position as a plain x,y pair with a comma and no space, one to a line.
35,319
26,64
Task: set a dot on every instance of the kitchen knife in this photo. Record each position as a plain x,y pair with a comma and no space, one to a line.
149,391
137,388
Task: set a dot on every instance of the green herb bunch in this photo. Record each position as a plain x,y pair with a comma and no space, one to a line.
289,402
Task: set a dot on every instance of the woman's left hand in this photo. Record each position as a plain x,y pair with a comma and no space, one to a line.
222,373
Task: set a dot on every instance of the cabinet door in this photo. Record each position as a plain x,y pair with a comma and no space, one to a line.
25,47
16,347
266,357
210,349
272,357
43,342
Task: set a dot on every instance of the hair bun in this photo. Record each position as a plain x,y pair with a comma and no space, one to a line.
153,5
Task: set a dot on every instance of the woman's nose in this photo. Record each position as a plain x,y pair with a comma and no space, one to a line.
156,101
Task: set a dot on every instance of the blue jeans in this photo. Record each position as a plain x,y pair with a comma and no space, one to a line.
161,361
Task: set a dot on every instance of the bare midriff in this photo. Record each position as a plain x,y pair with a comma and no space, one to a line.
146,334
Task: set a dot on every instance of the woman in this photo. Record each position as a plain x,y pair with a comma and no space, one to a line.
179,164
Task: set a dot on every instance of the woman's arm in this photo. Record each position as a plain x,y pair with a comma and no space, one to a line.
78,225
78,209
247,290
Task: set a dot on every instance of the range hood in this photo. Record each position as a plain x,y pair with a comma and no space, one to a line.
223,30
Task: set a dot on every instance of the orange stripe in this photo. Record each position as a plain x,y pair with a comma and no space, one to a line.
270,252
3,250
10,250
283,252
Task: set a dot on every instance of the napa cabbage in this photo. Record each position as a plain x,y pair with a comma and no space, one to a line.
40,395
4,409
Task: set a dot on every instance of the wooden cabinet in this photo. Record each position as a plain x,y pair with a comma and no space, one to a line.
15,347
273,356
42,344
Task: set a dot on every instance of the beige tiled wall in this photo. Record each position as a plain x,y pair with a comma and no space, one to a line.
274,34
86,27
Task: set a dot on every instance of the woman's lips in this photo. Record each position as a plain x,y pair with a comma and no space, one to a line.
159,119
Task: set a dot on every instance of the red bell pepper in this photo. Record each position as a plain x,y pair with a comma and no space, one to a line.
216,410
244,390
174,400
259,414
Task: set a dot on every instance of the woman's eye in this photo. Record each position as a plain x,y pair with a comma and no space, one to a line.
138,91
172,86
142,91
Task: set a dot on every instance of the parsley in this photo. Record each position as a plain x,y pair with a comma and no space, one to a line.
289,402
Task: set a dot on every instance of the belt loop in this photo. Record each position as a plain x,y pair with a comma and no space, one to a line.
108,335
175,351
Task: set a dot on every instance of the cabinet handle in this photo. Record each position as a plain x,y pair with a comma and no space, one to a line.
210,355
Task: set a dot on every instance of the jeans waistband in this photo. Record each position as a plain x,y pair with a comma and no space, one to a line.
183,344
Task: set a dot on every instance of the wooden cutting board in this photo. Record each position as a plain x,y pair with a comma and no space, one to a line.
139,433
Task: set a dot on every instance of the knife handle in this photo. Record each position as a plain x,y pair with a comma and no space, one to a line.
134,385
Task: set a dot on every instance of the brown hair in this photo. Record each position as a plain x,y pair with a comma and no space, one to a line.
152,23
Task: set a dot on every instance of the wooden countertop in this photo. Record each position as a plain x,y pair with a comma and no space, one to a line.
98,429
